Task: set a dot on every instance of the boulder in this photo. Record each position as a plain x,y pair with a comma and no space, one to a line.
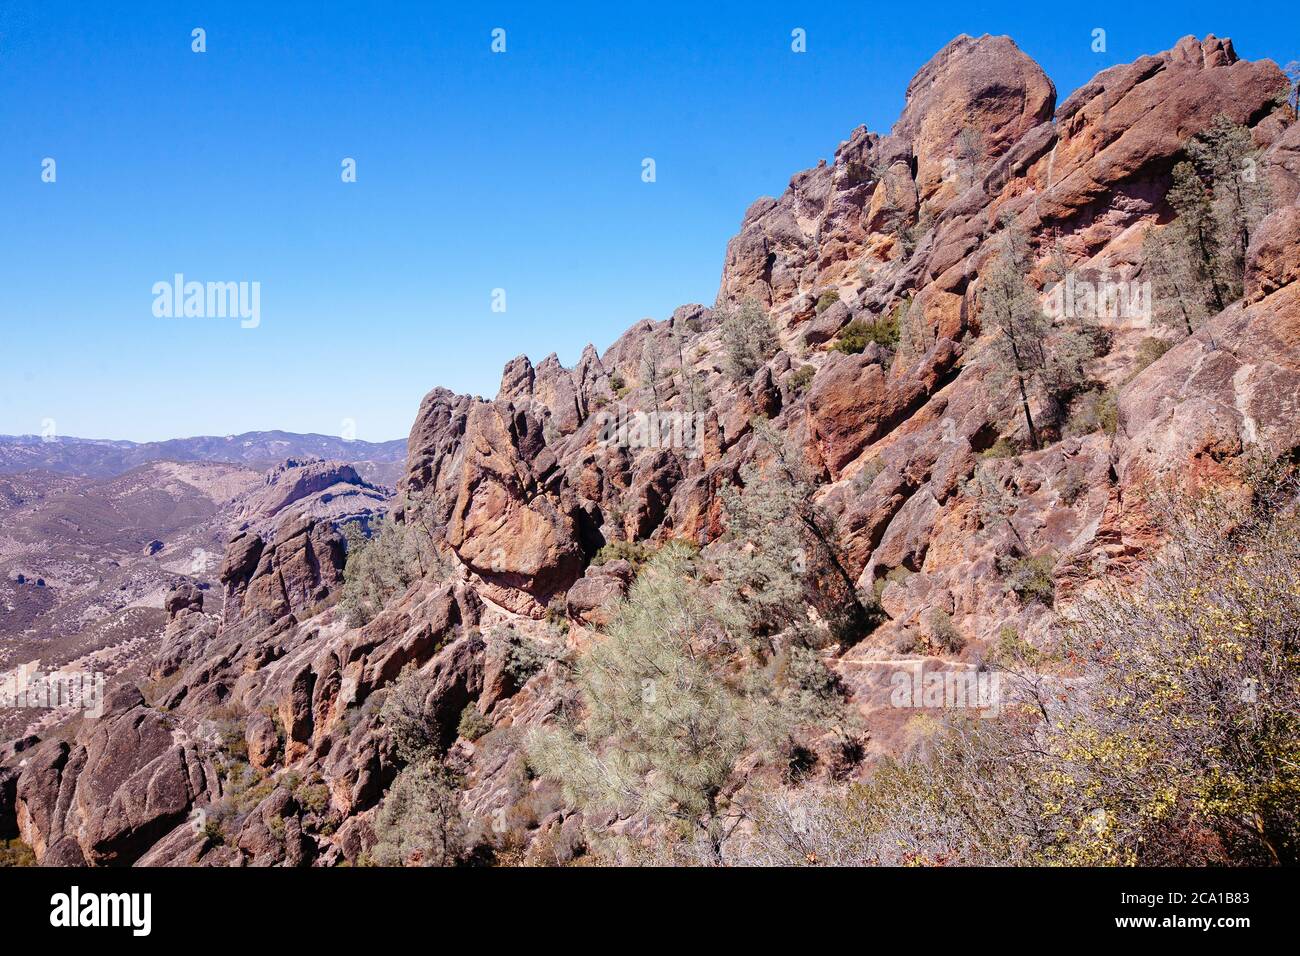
182,599
967,106
593,596
507,524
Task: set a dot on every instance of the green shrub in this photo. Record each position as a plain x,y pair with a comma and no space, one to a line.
557,614
635,553
827,299
860,333
906,642
749,339
1108,412
419,822
213,833
1012,649
234,739
944,633
378,567
243,787
801,378
313,795
665,726
523,656
1093,411
1031,578
409,716
16,853
1148,351
1002,448
473,725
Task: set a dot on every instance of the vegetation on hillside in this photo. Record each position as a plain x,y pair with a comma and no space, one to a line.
1165,729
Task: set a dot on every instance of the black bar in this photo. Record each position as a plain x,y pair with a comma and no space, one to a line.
927,905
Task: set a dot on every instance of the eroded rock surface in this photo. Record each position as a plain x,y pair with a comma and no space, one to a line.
520,494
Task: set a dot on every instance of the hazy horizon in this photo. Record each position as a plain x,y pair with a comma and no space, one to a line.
227,166
252,431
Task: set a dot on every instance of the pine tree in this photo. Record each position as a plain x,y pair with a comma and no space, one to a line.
378,568
914,334
1179,295
1225,157
652,369
666,722
788,556
419,822
748,339
1008,307
1198,261
970,153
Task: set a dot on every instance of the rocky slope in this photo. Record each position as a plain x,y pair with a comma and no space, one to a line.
377,462
86,564
521,492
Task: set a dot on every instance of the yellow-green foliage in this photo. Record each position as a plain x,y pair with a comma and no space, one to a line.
666,723
378,568
1002,448
16,853
1168,734
859,333
801,378
473,725
1031,577
636,553
419,822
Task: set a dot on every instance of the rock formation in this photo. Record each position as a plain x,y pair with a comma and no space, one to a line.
522,492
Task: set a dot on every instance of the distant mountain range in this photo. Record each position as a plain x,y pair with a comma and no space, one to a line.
376,462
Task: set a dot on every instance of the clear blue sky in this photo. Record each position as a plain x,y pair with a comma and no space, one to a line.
475,171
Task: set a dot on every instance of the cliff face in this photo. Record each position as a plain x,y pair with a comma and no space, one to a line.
522,491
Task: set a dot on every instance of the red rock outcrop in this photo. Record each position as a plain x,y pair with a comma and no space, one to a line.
296,571
521,493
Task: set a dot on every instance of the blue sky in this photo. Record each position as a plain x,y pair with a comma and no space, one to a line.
475,171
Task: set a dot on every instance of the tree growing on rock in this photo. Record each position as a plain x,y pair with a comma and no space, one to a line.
420,823
667,722
1198,261
670,719
1227,162
748,339
408,717
1026,350
378,567
1180,293
915,335
653,373
970,154
788,556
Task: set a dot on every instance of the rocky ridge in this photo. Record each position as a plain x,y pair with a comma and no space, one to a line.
522,491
